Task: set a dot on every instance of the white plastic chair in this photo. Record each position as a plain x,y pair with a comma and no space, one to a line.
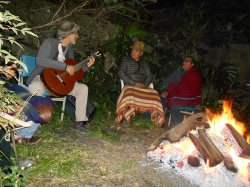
30,62
122,85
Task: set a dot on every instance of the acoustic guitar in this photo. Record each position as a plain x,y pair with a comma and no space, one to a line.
58,82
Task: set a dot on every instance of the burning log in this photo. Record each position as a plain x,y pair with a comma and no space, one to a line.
243,148
215,152
176,133
205,154
209,152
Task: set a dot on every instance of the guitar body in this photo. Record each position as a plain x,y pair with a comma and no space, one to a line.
59,83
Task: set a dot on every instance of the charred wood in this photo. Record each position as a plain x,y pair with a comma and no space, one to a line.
210,146
230,165
193,161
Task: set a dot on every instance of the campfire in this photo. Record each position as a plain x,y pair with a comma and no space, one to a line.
208,149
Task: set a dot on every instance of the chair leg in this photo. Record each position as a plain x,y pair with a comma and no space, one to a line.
62,115
169,119
63,108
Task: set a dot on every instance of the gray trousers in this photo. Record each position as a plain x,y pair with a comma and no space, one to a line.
80,92
175,111
176,115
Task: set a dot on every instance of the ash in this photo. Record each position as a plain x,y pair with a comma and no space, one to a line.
173,159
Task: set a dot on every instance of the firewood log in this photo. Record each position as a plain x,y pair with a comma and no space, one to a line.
204,152
245,147
176,133
211,147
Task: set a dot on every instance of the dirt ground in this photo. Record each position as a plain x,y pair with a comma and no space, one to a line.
102,162
121,163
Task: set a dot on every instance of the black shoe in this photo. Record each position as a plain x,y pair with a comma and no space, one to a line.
80,127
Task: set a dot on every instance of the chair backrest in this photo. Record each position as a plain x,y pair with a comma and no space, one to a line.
122,85
30,62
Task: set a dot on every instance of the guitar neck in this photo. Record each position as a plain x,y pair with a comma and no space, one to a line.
81,64
84,62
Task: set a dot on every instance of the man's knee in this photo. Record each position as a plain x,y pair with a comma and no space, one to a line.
84,88
79,89
176,108
36,89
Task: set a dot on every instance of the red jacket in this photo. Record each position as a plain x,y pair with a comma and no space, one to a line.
188,91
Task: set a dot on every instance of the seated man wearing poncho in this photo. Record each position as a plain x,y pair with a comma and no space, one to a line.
136,96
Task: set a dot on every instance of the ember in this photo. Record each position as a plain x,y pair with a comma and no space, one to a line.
216,156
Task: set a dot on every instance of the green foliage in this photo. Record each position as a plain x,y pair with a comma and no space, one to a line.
110,1
8,99
219,81
12,178
10,25
119,45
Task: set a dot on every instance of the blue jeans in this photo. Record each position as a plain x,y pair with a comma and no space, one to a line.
28,132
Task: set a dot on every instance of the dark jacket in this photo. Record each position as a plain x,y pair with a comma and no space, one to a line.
131,71
187,91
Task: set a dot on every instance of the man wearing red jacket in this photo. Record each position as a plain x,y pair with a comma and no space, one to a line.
181,89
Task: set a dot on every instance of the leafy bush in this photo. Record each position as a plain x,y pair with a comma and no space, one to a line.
10,26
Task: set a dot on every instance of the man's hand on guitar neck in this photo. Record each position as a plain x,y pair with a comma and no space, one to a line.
70,69
91,61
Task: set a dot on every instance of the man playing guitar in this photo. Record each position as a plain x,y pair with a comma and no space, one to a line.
52,54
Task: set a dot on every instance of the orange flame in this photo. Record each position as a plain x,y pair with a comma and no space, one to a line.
217,123
219,120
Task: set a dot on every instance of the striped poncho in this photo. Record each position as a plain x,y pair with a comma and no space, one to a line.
133,100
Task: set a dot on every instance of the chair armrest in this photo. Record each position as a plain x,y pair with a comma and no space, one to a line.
122,84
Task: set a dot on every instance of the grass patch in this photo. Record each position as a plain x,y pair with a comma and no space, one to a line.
101,133
64,157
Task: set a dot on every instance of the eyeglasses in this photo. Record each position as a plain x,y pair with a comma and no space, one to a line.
187,60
